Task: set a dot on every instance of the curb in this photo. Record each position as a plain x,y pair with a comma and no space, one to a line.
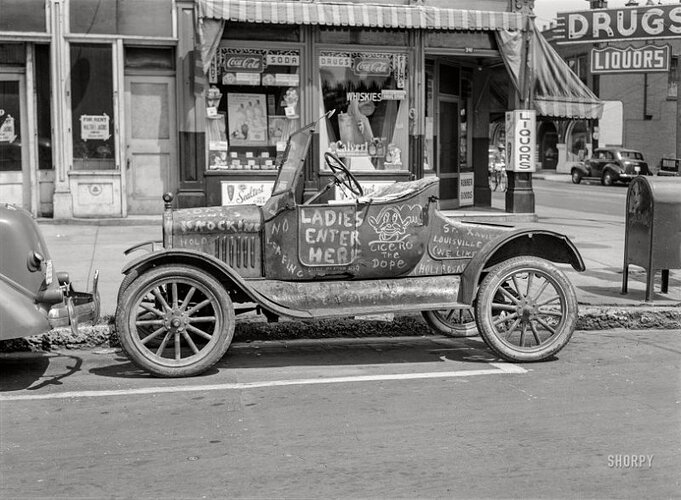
591,318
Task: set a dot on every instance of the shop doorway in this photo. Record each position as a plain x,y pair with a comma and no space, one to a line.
151,142
448,151
15,178
548,146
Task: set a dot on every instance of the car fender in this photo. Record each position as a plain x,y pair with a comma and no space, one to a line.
19,314
542,243
614,167
213,266
582,167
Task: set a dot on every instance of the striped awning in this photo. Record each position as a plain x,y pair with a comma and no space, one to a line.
357,14
556,90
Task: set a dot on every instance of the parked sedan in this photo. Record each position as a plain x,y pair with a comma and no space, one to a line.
610,165
34,297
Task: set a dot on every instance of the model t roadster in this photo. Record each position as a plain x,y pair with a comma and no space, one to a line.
391,251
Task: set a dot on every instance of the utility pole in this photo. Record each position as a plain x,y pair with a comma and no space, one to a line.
520,195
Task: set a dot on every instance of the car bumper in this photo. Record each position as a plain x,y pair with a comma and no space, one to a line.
77,308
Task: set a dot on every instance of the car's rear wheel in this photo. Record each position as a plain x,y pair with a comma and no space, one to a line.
526,309
187,310
576,176
608,179
452,322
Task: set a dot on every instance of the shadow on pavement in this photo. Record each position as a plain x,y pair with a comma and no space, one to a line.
282,354
27,371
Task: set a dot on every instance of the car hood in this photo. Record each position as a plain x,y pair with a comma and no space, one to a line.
217,220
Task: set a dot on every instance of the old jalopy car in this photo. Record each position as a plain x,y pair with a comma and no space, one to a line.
392,251
34,298
610,165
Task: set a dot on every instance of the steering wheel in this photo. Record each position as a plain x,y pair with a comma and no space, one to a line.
342,174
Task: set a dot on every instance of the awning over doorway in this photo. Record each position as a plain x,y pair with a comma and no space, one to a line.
556,90
212,15
359,14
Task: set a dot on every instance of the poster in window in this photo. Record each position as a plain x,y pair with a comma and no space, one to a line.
277,129
247,119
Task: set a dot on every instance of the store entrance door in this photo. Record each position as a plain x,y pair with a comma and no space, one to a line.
15,178
448,151
151,142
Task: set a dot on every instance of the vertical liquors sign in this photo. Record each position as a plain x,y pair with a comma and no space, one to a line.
521,140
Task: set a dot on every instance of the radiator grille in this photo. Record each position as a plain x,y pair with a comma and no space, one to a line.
238,251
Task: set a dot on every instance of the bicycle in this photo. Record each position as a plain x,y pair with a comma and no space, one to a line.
497,177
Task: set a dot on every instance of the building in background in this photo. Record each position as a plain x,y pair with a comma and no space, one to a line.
638,84
106,105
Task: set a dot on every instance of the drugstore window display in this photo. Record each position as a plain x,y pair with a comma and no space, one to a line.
369,131
252,105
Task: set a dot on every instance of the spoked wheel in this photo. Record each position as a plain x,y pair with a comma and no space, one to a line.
452,322
502,181
526,309
576,176
492,178
175,321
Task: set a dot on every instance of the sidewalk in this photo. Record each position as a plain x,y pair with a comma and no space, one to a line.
81,247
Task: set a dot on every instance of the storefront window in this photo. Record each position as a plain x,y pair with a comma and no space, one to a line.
129,17
368,92
92,107
578,144
465,153
252,106
429,151
673,80
10,126
22,15
43,109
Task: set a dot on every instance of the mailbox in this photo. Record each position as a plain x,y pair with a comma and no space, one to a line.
653,229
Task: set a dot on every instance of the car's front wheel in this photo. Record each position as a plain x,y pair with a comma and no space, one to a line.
526,309
608,178
175,321
576,176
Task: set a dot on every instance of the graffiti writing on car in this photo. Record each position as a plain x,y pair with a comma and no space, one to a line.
391,226
328,236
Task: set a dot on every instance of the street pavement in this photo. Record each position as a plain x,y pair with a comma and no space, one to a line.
82,246
413,417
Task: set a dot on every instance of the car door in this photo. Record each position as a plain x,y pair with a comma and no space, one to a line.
597,163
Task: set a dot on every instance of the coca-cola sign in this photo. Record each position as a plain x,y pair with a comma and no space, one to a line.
250,63
372,66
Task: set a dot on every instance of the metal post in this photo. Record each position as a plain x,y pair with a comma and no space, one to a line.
519,194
